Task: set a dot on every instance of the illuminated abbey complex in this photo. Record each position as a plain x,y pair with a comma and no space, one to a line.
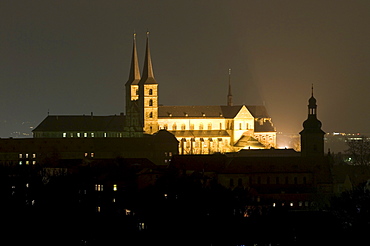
199,129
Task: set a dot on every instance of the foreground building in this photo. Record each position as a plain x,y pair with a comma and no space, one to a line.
199,129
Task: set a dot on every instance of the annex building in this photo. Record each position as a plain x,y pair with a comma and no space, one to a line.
199,129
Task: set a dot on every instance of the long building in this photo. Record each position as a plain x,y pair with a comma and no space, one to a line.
199,129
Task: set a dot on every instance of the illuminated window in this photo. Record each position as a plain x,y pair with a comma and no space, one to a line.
92,134
27,162
98,209
33,162
174,127
183,127
105,134
20,163
33,156
26,155
115,187
92,154
20,155
98,187
64,134
78,134
85,134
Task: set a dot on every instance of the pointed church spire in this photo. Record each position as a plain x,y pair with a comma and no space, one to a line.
229,95
148,75
134,76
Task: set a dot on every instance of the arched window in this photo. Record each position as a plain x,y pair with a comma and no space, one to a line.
150,91
150,102
174,127
209,126
151,115
183,127
201,126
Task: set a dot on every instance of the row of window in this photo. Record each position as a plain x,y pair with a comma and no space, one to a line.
26,156
269,180
91,134
100,187
201,127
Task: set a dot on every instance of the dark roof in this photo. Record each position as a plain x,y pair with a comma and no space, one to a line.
210,111
266,126
81,123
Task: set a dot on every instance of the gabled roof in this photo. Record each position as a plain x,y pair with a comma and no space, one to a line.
55,123
258,111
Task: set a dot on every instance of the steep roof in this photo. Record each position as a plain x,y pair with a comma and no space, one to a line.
147,75
134,76
81,123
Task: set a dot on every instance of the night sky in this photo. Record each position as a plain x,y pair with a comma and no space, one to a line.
73,57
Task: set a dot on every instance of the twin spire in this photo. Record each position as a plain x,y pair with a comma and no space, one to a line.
147,74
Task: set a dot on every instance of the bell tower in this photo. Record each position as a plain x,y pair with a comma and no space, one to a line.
312,137
148,95
133,126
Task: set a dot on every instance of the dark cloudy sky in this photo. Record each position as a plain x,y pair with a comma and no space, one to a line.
72,57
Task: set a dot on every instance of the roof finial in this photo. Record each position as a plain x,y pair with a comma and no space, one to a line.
229,95
312,90
134,34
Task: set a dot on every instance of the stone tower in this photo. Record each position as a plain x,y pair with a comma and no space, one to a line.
133,125
312,137
148,95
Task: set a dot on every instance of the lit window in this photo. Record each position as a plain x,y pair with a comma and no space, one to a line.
92,154
105,134
78,134
98,187
85,134
92,134
64,134
33,156
20,155
33,162
98,209
115,187
27,162
26,155
86,154
20,163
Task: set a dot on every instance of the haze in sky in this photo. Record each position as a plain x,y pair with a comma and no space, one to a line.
73,57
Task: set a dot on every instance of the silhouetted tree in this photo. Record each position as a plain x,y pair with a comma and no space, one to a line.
359,151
